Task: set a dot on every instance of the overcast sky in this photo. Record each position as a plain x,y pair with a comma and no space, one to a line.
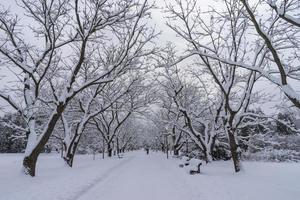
158,18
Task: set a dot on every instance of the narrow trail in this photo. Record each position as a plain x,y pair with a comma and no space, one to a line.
143,177
98,180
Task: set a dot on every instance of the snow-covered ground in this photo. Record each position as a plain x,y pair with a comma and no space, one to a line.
141,177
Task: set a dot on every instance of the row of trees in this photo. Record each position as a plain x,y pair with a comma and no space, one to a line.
232,48
87,71
83,63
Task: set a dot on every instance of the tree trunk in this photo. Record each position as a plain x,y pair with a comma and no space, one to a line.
109,150
118,148
208,157
30,159
69,155
71,150
68,158
29,164
176,152
234,153
212,146
177,147
174,142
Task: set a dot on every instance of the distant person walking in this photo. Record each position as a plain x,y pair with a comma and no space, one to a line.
147,150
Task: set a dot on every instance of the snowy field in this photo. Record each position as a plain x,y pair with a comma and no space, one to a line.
141,177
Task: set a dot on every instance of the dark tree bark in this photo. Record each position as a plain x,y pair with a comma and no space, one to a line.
177,148
176,152
109,150
72,148
69,157
29,161
118,146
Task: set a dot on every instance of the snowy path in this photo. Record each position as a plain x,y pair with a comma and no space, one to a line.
143,177
98,180
138,176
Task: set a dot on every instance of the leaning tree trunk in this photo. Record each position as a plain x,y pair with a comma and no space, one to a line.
234,151
68,158
177,148
70,153
29,164
30,159
71,149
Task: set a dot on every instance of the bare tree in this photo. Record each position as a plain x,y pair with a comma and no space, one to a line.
274,53
110,122
279,34
92,105
82,32
186,106
206,34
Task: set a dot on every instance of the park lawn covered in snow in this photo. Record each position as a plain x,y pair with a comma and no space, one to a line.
141,177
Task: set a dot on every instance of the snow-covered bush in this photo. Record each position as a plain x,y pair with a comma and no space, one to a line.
274,147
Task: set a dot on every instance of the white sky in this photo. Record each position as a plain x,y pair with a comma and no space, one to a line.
158,18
